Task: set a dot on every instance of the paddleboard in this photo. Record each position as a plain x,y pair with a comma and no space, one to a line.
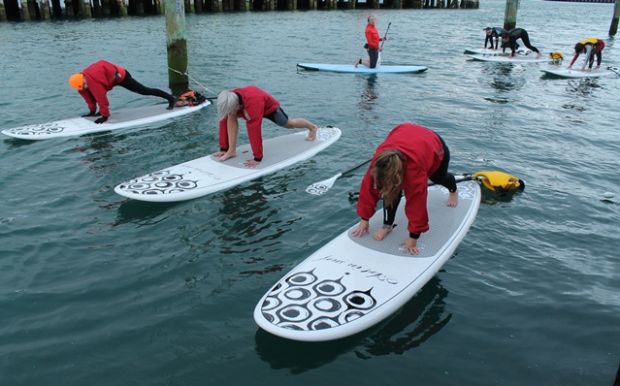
483,51
577,73
531,58
122,118
207,175
352,283
361,69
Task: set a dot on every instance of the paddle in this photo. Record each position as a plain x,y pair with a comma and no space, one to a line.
321,187
613,69
380,59
494,180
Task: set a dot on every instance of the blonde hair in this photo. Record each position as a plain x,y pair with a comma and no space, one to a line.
227,103
387,173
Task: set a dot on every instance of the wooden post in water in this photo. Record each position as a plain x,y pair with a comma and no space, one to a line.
613,28
122,8
510,17
44,9
2,11
176,41
24,5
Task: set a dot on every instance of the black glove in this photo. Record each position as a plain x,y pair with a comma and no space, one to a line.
101,120
91,114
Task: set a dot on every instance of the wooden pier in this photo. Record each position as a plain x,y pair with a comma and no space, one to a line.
30,10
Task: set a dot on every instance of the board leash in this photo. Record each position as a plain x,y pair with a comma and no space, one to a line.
195,81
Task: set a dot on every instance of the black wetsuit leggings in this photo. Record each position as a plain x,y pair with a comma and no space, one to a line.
133,85
525,38
373,57
440,177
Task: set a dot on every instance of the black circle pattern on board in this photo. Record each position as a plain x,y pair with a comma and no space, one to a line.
41,129
301,302
161,182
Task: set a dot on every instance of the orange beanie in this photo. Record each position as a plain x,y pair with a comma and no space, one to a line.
76,81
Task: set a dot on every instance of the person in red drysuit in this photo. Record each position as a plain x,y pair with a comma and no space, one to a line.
252,104
410,156
94,82
372,44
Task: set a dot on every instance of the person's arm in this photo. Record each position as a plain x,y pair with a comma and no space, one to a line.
232,130
101,96
90,101
223,136
574,59
366,204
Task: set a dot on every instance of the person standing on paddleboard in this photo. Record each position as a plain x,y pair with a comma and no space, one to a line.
509,39
372,44
490,34
94,82
252,104
591,47
410,156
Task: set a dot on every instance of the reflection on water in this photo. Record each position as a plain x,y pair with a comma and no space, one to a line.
422,317
369,95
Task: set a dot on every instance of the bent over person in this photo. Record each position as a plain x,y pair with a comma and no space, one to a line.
509,39
94,82
410,156
591,47
251,104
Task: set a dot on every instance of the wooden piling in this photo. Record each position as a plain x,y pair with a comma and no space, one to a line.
44,9
24,10
510,16
613,28
176,40
122,8
2,11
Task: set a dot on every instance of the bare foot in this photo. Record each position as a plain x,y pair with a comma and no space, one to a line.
382,232
226,156
453,199
311,134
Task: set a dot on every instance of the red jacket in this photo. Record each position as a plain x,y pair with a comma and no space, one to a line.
256,104
423,153
101,77
372,37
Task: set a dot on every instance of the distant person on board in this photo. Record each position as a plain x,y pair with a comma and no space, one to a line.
490,34
410,156
591,47
251,104
372,44
94,82
509,39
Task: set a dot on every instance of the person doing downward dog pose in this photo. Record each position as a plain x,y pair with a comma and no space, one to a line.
252,104
509,39
591,47
94,82
490,34
410,156
372,44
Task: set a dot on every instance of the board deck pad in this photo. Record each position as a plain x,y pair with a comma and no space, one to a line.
518,58
122,118
361,69
351,283
577,73
207,175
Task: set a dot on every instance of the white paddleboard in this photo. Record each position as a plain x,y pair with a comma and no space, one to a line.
352,283
577,73
361,69
483,51
506,58
119,119
207,175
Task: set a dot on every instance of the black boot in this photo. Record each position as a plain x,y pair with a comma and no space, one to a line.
172,101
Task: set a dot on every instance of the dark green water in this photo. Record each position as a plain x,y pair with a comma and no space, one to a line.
99,290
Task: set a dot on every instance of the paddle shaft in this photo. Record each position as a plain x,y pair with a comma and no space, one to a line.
384,36
356,167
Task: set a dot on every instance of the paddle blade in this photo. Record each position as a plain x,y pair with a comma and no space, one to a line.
321,187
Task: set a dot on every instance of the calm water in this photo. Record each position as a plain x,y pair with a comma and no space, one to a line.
99,290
